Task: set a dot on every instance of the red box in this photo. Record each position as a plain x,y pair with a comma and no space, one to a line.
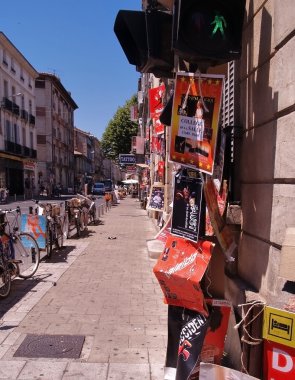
179,271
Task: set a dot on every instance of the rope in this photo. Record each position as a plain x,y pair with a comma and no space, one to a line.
198,73
250,340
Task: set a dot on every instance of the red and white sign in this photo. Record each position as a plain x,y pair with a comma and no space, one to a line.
156,100
279,361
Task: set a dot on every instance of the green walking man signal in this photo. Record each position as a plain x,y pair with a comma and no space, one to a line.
220,24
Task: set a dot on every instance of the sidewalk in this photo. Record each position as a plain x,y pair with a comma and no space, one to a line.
97,292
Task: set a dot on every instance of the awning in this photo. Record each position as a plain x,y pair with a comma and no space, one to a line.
143,165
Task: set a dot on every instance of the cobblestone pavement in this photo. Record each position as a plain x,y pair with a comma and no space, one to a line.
100,287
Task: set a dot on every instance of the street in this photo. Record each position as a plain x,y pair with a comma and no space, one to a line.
99,293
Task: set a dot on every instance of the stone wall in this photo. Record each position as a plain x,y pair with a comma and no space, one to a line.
267,105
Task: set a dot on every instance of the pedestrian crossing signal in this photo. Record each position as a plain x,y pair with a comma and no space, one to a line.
145,38
208,31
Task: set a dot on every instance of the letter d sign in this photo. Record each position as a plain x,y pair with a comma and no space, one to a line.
279,362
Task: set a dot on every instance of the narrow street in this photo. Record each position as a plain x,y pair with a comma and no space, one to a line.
100,294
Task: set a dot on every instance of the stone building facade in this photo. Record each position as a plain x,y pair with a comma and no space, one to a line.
18,145
55,137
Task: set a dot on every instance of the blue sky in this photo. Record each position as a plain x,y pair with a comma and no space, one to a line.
74,39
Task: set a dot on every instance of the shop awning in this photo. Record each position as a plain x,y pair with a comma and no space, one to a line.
143,165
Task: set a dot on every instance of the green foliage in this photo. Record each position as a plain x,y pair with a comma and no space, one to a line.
116,138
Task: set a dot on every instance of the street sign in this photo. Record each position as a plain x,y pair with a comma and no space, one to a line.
127,159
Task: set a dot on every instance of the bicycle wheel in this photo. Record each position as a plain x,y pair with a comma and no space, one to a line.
65,226
5,281
49,241
27,254
78,227
59,234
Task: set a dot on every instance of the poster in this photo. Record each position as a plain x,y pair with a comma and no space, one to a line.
221,202
186,358
195,118
179,271
221,230
36,226
187,201
156,95
156,198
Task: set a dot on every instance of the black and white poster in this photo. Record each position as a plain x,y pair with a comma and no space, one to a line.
187,205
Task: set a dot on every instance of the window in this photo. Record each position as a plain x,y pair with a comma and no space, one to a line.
23,101
13,94
4,58
7,130
31,140
12,68
16,134
5,89
30,107
24,137
30,82
39,83
21,74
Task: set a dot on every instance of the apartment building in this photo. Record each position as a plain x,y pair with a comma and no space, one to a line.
18,145
55,132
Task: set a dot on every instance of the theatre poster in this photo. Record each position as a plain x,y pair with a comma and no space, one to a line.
195,119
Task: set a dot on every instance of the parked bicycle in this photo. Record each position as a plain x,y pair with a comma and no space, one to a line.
76,215
56,225
19,251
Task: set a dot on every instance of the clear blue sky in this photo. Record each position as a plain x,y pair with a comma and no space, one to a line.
74,39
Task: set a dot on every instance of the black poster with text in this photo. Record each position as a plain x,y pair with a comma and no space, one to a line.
187,205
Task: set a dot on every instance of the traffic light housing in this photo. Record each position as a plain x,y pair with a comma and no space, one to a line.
208,31
145,38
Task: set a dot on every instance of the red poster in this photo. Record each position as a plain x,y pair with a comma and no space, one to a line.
279,361
179,271
158,127
161,165
221,230
195,118
156,95
221,202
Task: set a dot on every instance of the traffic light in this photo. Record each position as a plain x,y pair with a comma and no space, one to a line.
145,38
208,31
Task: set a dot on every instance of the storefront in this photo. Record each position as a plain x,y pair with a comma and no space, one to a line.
12,174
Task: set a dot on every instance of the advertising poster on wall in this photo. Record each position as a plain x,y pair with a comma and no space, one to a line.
187,201
156,199
195,118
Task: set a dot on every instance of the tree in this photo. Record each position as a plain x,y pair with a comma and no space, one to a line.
116,138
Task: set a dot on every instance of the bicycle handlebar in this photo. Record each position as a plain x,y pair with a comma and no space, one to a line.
11,211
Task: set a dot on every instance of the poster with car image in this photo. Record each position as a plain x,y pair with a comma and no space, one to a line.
187,205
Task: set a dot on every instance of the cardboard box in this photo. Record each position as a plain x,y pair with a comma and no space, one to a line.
179,271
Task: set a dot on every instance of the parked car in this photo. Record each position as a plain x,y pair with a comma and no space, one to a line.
108,183
98,189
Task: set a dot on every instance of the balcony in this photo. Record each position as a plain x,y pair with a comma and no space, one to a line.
10,106
32,119
17,149
29,152
12,147
24,115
